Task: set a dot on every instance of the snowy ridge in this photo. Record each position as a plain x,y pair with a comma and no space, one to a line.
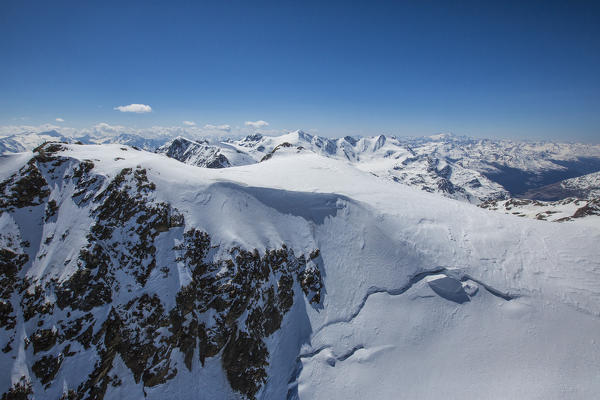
300,276
462,168
458,167
28,141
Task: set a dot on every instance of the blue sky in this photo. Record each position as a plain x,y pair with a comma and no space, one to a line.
494,69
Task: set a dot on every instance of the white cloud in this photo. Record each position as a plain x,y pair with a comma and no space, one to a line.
135,108
223,127
60,120
104,129
189,123
256,124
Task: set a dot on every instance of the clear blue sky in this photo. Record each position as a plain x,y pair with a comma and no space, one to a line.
511,69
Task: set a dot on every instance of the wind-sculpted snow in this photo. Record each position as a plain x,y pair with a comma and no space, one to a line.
422,345
126,273
313,207
453,285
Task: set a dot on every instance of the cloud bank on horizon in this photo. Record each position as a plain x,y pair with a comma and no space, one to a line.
188,129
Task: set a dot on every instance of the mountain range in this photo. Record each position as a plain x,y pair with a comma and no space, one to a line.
296,267
473,170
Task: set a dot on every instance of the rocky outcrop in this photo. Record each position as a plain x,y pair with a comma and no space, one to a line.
200,154
556,211
105,309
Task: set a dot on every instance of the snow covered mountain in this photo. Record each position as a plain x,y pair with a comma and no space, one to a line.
558,211
129,274
203,154
473,170
583,187
562,201
149,144
389,158
457,167
27,141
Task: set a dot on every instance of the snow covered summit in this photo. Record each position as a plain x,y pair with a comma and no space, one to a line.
127,273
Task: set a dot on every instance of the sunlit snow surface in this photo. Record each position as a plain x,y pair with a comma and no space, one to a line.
425,297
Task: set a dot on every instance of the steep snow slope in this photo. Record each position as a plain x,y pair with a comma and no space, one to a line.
379,290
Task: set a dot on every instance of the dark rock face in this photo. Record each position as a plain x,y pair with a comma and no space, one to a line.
218,161
591,208
251,140
351,140
235,299
283,145
19,391
10,264
46,368
200,154
26,189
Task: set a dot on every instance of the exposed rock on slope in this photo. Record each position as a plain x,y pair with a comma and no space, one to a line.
200,154
203,154
558,211
126,273
462,168
104,308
